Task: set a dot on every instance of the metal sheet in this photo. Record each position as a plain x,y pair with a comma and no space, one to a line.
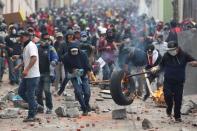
188,42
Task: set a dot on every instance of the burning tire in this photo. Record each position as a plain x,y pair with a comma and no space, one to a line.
122,88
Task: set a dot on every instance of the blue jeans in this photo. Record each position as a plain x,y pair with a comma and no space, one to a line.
107,71
13,76
2,67
82,92
27,91
64,83
44,86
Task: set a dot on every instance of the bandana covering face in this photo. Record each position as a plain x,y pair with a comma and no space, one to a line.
172,52
74,51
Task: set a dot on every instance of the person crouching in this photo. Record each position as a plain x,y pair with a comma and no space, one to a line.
76,62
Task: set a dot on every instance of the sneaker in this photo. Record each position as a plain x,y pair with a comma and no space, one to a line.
12,83
85,113
49,111
145,97
59,93
89,109
29,119
40,109
170,116
178,120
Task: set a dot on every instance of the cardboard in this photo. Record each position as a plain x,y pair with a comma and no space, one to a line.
16,17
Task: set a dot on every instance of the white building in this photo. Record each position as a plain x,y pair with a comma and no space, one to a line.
163,9
52,3
25,6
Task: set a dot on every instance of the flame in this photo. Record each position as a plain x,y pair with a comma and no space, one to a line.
158,96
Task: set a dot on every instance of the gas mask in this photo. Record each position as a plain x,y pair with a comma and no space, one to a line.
74,51
172,52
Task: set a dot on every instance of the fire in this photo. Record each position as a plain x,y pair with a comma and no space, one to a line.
158,97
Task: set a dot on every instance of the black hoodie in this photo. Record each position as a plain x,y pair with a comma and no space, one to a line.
79,61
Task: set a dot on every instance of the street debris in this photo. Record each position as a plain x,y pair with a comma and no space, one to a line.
105,92
9,113
146,124
99,99
72,112
69,98
106,96
2,105
119,114
187,107
194,122
61,112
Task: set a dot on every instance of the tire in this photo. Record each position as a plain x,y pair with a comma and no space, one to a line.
116,89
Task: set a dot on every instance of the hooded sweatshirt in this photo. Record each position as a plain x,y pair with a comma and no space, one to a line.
79,61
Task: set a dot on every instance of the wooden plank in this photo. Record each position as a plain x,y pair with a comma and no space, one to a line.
105,91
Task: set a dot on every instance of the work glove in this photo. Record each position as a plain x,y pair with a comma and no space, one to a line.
154,69
79,72
91,76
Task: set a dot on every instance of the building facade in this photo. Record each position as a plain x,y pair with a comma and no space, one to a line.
25,6
52,3
161,10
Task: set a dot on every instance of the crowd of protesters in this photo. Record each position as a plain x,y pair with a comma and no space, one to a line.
69,41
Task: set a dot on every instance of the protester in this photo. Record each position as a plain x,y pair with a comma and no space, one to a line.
76,62
174,65
47,57
13,48
31,75
153,59
113,31
60,47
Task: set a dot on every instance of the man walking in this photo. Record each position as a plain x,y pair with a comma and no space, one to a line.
174,65
31,75
47,57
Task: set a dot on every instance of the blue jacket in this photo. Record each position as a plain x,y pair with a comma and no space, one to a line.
46,55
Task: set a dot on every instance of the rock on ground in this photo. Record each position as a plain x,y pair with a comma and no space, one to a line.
119,114
69,98
71,104
61,111
2,105
73,112
187,106
146,124
9,113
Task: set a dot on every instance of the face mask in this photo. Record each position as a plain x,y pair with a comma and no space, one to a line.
159,40
172,52
83,39
74,51
13,31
